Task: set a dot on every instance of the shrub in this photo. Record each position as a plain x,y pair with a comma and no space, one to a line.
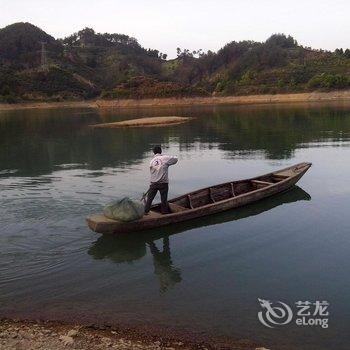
145,87
329,81
8,98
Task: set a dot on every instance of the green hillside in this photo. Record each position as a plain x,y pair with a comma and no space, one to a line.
88,64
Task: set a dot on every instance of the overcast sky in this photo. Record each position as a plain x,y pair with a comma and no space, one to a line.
193,24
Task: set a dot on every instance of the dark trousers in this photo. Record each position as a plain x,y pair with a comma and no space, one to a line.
163,190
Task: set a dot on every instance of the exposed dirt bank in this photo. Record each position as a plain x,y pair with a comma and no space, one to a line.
142,122
58,336
191,101
47,105
234,100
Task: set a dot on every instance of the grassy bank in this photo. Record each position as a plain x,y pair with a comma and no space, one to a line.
190,101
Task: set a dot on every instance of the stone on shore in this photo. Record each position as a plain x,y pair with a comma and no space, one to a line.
67,340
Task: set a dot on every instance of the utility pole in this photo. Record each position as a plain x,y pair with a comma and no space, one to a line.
44,66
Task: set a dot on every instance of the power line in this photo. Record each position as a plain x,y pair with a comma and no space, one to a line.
43,55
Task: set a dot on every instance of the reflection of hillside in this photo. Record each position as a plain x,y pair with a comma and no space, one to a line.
34,141
276,132
131,247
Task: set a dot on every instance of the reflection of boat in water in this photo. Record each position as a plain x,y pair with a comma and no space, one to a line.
125,248
207,201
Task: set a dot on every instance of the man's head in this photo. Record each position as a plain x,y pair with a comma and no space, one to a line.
157,150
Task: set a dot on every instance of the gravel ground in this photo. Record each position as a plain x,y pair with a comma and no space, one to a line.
28,335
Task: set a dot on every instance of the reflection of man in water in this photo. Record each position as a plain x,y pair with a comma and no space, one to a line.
167,274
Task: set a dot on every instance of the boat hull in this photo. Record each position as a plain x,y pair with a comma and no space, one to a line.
100,224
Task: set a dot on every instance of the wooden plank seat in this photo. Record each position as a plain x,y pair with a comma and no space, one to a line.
278,177
211,195
189,201
260,184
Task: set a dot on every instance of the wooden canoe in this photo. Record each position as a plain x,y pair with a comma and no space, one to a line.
206,201
127,247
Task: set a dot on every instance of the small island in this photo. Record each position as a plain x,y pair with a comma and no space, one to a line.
143,122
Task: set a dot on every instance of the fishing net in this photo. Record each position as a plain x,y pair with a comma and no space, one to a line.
124,209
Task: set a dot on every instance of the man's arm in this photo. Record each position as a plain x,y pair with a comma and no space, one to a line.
170,160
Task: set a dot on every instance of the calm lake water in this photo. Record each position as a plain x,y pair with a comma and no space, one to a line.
204,275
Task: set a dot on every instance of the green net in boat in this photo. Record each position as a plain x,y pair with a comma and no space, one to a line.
124,209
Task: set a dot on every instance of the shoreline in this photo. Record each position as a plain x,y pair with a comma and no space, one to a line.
56,335
343,95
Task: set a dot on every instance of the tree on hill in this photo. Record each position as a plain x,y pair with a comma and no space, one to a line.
87,37
282,40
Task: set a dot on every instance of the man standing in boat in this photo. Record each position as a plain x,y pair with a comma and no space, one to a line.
159,179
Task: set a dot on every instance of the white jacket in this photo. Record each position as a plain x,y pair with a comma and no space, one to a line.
159,167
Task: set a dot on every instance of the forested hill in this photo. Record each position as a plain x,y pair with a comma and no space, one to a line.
36,66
